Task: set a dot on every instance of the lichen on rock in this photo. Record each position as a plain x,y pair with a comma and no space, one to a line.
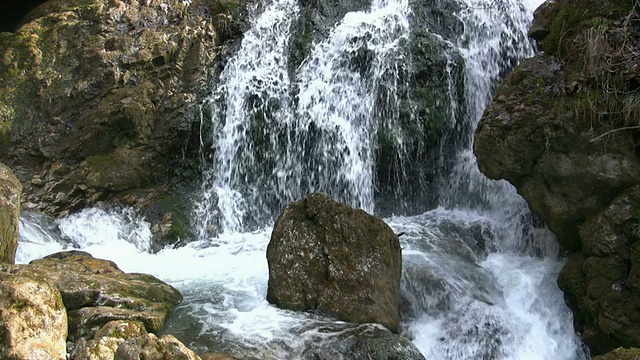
33,320
10,196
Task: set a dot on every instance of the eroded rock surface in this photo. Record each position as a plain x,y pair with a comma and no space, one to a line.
327,257
33,320
10,195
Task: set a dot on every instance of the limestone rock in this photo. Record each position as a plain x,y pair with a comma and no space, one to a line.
327,257
107,340
150,347
96,291
33,320
10,195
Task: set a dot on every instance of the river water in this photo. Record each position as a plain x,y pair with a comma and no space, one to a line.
479,273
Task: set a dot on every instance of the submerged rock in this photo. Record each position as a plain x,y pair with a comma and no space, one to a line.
96,291
10,195
33,320
327,257
366,342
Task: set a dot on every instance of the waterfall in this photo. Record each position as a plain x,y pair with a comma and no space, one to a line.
378,110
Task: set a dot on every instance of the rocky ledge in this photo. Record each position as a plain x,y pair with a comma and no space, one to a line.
71,299
564,129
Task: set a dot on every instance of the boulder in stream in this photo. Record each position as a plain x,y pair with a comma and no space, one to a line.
329,258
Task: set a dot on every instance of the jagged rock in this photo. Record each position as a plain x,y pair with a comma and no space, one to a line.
96,291
115,116
602,283
327,257
366,342
150,347
10,195
562,130
33,320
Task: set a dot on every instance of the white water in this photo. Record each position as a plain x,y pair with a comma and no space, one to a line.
479,278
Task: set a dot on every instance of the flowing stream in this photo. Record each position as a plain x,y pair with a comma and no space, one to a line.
479,274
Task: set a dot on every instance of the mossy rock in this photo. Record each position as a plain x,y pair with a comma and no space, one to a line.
620,354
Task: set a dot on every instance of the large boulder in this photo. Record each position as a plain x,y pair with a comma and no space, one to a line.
33,320
563,129
10,195
327,257
101,99
96,291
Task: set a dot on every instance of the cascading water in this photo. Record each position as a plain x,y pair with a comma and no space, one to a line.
478,279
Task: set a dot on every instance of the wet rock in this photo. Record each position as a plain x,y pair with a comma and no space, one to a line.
10,196
366,342
217,356
327,257
96,291
33,320
81,124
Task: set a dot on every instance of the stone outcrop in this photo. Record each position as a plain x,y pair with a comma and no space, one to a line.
563,129
73,298
100,100
327,257
33,320
10,195
96,291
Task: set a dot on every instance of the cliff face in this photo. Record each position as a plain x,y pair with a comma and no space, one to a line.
100,99
563,129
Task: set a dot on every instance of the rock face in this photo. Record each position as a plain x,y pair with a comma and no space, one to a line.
33,320
10,195
96,292
327,257
100,98
563,130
